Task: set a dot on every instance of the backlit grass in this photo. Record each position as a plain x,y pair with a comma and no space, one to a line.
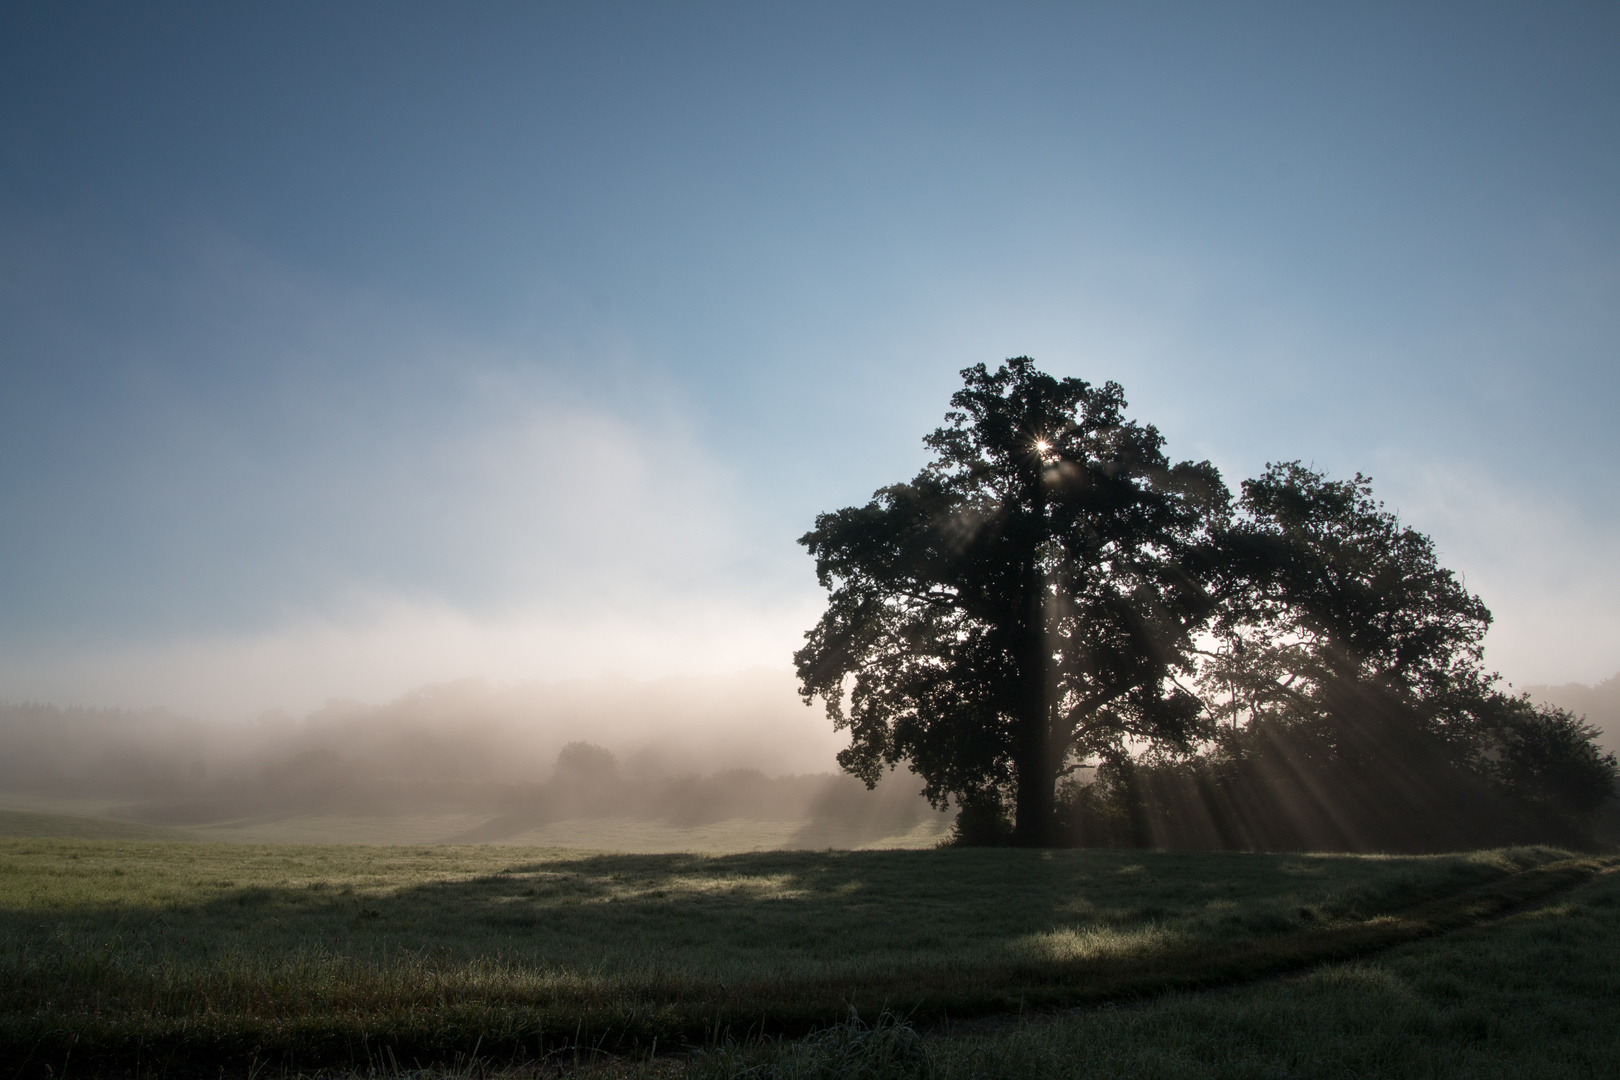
196,955
1535,994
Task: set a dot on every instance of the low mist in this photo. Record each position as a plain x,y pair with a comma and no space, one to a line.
468,762
606,762
1599,704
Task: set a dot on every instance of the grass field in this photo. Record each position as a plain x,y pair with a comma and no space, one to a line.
37,816
1533,994
187,957
68,826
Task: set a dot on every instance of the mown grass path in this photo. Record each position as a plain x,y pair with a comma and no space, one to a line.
188,957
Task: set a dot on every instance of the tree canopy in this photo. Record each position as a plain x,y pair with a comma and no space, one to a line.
1339,615
1027,602
1350,663
1052,598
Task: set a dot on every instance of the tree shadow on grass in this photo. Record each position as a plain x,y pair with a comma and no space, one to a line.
628,948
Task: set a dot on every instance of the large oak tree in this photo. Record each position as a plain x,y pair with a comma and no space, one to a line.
1027,603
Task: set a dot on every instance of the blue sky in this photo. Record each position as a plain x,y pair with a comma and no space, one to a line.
349,347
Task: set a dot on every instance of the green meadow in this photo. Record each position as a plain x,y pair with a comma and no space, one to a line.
179,958
1532,993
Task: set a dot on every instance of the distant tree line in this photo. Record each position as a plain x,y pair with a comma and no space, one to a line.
159,769
1075,640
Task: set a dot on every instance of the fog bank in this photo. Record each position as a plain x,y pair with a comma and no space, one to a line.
469,732
486,762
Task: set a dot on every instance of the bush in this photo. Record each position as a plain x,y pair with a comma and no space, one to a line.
981,822
1547,761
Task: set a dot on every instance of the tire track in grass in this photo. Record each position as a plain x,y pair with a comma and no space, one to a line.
1231,967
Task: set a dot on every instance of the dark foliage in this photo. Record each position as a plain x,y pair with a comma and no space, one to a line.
1024,604
1270,788
1053,618
1357,714
1546,760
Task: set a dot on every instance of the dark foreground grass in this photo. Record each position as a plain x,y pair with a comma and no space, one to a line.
185,958
1535,993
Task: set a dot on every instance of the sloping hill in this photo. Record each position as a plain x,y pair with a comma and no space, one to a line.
66,826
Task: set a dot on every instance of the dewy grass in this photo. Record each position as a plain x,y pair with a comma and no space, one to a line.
199,955
1534,994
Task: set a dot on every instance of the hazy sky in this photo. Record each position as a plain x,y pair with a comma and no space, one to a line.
349,347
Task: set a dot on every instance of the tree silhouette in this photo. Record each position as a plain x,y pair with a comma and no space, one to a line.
1333,598
1024,605
1350,666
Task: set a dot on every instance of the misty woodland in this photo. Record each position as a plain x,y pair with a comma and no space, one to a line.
1078,641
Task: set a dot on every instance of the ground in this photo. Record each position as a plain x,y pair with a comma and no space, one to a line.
188,957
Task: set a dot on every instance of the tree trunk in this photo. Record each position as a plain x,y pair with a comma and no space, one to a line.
1035,806
1035,823
1035,758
